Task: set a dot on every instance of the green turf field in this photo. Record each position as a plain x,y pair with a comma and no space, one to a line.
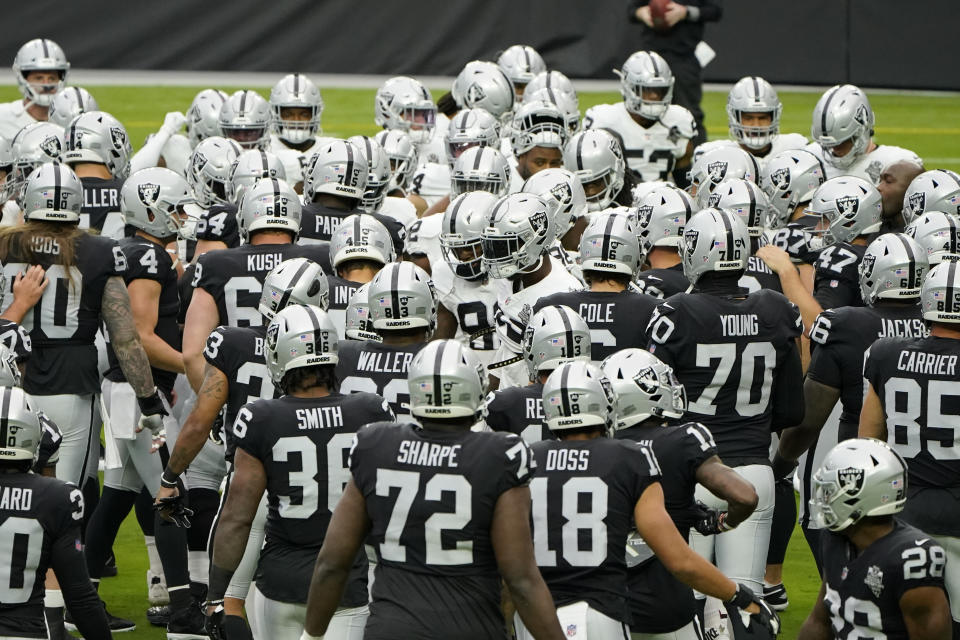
926,124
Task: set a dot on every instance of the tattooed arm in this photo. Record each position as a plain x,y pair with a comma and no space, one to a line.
116,313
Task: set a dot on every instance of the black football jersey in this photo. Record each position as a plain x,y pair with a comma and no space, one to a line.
519,410
916,381
219,223
583,499
791,239
303,444
662,283
16,338
759,276
841,336
340,292
64,322
377,368
836,281
863,590
149,261
430,497
234,277
616,320
39,519
727,352
318,222
238,353
101,200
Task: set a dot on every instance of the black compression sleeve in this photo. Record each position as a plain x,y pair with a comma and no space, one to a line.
81,598
788,407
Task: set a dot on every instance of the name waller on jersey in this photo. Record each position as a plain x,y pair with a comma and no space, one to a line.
927,363
740,325
319,418
428,454
16,499
384,362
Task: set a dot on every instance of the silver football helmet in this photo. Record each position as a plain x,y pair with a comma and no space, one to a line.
645,387
249,167
940,294
555,87
203,116
357,323
378,173
245,117
789,179
661,216
646,70
753,94
9,371
402,155
34,145
294,281
595,156
98,137
938,235
480,169
471,128
521,63
300,336
714,240
340,169
843,113
858,478
744,198
717,165
209,170
554,335
446,380
578,395
561,188
53,193
401,297
935,190
537,124
269,204
483,85
22,430
40,54
517,234
609,244
296,90
848,207
893,266
361,237
152,200
68,103
462,226
405,104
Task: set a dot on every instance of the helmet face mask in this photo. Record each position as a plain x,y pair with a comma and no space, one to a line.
646,84
538,124
40,55
554,87
596,158
296,94
645,387
517,234
460,239
245,117
480,169
471,128
405,104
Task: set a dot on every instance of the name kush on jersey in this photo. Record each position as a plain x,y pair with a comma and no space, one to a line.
264,261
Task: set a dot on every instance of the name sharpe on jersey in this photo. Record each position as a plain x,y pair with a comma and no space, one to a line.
319,418
734,325
16,499
927,363
428,454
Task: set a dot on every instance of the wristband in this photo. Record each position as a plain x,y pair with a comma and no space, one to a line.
742,599
169,479
151,405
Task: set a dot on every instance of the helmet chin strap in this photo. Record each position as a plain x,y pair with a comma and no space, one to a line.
535,267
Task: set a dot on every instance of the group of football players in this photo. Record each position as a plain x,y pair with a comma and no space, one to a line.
550,377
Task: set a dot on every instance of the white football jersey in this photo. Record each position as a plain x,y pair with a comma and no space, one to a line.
780,142
431,181
400,209
434,149
423,237
176,153
295,162
13,117
472,303
651,152
870,166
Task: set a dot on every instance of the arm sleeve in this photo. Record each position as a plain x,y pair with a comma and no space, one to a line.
788,405
149,153
494,415
78,593
710,11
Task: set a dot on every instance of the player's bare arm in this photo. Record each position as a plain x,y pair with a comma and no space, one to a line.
201,319
819,400
725,483
817,625
926,613
872,421
124,338
145,304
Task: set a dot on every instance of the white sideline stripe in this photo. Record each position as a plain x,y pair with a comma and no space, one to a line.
137,77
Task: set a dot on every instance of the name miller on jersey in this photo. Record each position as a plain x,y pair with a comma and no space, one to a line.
319,418
428,454
16,499
740,325
384,362
927,363
102,197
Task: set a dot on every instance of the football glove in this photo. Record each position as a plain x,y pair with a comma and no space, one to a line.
173,122
174,509
213,621
216,430
711,521
152,411
766,618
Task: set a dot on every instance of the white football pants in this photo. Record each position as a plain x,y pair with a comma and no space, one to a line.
952,575
284,620
580,622
78,417
689,632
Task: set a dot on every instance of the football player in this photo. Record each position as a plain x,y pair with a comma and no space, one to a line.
657,136
842,132
516,243
609,256
893,183
736,355
40,68
596,157
934,190
715,166
537,137
467,296
881,576
375,197
68,103
310,428
661,216
521,63
753,116
245,118
403,309
554,335
908,404
417,575
296,105
554,86
563,188
620,480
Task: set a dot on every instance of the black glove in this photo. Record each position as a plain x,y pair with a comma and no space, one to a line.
782,469
174,508
767,618
216,429
711,521
213,622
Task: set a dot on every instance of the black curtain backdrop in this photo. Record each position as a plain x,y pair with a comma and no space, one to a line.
877,43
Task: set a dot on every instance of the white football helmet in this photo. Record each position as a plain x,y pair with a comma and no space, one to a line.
483,85
537,124
249,167
646,70
893,267
34,145
595,156
480,169
402,155
361,237
401,297
463,224
789,179
661,216
843,113
940,294
609,244
744,198
405,104
296,90
717,165
471,128
269,204
935,190
521,63
209,170
848,206
446,380
340,169
9,371
40,54
714,240
378,173
203,116
579,395
294,281
858,478
152,200
645,387
563,189
98,137
246,117
357,323
938,235
555,335
518,233
21,426
68,103
555,87
753,94
53,193
300,336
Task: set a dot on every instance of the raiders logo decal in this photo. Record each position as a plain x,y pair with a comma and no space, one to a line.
851,480
690,237
916,203
562,193
646,379
862,116
713,200
51,146
538,221
781,178
119,137
716,171
866,265
474,94
148,193
644,213
848,205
